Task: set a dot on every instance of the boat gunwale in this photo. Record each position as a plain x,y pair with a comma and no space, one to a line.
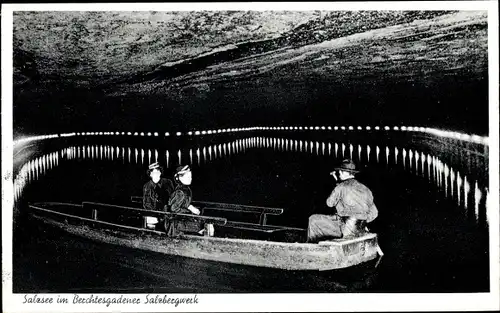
320,246
163,245
93,221
219,221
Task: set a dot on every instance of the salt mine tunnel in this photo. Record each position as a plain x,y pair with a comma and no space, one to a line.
262,105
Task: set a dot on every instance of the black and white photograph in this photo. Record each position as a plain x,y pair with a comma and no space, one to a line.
250,156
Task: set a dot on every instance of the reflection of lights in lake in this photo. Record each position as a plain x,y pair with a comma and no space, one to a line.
446,175
438,172
459,187
410,156
417,165
489,206
422,162
477,200
434,169
429,165
466,192
452,179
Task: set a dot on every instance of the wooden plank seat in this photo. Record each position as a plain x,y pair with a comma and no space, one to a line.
237,207
261,232
204,206
260,228
206,219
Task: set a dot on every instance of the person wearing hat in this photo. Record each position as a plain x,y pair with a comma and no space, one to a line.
354,206
156,192
180,202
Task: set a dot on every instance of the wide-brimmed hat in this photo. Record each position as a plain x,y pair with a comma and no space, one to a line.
154,166
348,166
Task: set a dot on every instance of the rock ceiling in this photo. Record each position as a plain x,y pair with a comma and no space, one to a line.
191,54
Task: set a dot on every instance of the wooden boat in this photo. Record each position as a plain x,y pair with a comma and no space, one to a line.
256,244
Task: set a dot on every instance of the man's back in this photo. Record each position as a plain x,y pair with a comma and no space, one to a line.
352,198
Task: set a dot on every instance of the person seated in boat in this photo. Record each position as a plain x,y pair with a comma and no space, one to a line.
180,202
354,206
156,192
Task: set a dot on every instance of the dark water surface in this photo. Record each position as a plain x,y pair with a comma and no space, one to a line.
431,243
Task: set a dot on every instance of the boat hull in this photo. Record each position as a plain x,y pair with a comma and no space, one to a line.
326,255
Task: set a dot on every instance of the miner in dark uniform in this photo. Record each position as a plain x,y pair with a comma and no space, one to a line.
156,192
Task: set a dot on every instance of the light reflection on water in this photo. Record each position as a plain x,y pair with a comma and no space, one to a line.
467,194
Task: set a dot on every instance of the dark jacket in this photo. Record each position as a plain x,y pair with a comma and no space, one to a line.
353,199
155,196
180,199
